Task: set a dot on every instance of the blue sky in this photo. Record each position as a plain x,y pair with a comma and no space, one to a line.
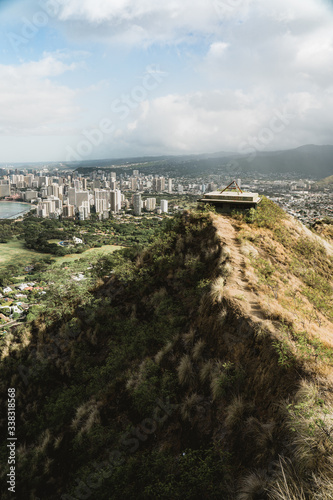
85,79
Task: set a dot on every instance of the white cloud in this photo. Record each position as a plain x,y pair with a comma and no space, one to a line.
245,61
31,103
219,120
140,21
151,21
217,49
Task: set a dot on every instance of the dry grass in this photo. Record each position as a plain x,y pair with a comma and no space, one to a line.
285,485
219,379
185,371
198,349
138,376
226,269
235,412
206,371
275,311
163,352
216,292
253,486
189,337
190,405
225,253
44,441
261,435
86,416
57,442
310,422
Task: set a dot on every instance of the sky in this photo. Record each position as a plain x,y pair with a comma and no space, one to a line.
93,79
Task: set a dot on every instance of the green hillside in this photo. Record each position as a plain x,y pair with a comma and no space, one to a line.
311,160
200,368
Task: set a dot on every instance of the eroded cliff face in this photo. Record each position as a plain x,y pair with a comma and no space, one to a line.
203,367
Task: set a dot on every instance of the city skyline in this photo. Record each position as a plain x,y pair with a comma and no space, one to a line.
91,80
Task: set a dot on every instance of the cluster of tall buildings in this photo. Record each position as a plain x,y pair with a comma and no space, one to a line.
66,196
149,204
74,200
71,195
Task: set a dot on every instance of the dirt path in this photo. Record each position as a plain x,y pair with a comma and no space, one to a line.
237,286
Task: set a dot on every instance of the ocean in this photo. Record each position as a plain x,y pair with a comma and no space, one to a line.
12,209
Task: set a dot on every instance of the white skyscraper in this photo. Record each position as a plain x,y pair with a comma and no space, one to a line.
164,206
102,198
150,204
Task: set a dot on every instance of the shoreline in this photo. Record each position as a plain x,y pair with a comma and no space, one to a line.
17,214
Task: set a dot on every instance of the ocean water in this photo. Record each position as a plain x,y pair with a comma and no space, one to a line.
11,209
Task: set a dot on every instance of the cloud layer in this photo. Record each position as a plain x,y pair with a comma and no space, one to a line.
234,67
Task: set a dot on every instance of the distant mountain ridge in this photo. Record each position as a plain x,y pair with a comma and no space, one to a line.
309,160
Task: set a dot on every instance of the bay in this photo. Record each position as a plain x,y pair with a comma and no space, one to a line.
12,209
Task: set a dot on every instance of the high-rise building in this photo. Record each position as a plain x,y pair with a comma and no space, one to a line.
82,199
84,210
43,180
159,184
4,190
68,210
77,185
115,200
134,183
28,179
150,204
164,206
71,196
53,190
170,185
137,203
30,195
102,198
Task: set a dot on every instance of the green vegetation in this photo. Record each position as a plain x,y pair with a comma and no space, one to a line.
91,346
13,252
139,377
